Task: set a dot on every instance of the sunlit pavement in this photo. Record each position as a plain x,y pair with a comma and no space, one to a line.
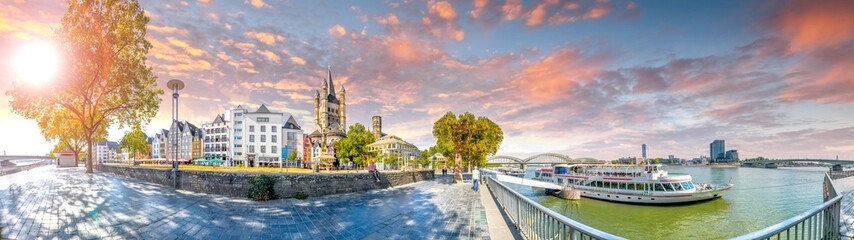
845,186
66,203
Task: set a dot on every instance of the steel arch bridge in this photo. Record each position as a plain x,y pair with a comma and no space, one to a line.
542,158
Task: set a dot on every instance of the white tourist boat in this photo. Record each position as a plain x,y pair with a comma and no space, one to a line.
646,184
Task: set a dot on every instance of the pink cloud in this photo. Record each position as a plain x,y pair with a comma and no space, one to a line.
442,9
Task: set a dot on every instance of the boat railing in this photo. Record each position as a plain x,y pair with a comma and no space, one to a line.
819,222
535,221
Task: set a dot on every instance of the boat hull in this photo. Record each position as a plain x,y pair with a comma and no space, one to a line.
675,198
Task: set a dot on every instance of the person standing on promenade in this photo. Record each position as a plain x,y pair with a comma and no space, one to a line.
444,171
475,178
372,167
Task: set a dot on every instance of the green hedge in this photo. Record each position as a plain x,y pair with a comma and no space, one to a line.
262,188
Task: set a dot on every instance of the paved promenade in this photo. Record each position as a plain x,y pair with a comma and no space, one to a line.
845,186
66,203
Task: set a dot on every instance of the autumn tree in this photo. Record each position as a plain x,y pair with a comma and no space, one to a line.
468,138
354,147
135,142
106,80
59,126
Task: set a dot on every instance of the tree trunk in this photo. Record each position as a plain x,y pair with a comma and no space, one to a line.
89,155
76,158
458,168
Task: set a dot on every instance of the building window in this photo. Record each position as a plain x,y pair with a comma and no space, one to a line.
251,128
272,149
238,122
263,138
263,128
252,149
251,138
263,119
273,138
238,114
263,149
292,136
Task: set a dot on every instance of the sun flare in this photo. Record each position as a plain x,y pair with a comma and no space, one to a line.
36,63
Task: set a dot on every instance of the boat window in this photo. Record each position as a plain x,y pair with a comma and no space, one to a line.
623,185
561,170
600,184
668,187
658,187
687,185
560,181
677,186
537,174
635,186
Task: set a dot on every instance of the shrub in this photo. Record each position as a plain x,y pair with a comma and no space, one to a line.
262,188
300,195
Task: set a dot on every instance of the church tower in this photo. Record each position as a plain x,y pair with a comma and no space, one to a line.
377,127
324,106
343,113
317,109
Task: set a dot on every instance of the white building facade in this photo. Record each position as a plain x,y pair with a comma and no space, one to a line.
217,138
106,151
293,139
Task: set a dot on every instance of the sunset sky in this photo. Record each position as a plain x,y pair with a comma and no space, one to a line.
583,78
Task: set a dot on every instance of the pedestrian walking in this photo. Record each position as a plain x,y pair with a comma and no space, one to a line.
445,171
475,178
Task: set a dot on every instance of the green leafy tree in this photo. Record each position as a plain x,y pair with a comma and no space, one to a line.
107,80
426,156
354,147
292,155
393,160
135,142
467,137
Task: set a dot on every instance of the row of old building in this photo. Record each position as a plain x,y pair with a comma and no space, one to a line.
261,137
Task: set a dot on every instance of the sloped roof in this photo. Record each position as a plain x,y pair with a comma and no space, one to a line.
263,109
292,123
219,119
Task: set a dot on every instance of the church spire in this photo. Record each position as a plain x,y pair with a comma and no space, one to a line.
331,89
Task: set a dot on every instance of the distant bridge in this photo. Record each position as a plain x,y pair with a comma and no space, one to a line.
17,157
4,159
763,163
542,158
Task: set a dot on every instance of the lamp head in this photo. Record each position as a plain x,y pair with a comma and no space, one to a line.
175,84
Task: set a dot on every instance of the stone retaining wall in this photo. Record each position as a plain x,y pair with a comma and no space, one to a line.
237,184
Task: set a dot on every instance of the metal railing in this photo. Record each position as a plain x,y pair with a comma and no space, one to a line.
537,222
820,222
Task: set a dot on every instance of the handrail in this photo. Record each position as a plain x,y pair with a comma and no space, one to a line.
535,221
819,222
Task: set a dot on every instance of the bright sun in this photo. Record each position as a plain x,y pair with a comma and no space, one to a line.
36,63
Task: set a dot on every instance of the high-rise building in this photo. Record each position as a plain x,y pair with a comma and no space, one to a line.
732,155
643,151
716,150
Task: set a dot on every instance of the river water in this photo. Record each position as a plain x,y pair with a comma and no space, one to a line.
760,198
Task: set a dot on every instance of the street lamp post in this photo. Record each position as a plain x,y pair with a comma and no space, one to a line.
175,85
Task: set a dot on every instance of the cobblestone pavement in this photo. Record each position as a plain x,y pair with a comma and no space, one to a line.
66,203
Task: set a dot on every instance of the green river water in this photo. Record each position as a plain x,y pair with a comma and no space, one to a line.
760,198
